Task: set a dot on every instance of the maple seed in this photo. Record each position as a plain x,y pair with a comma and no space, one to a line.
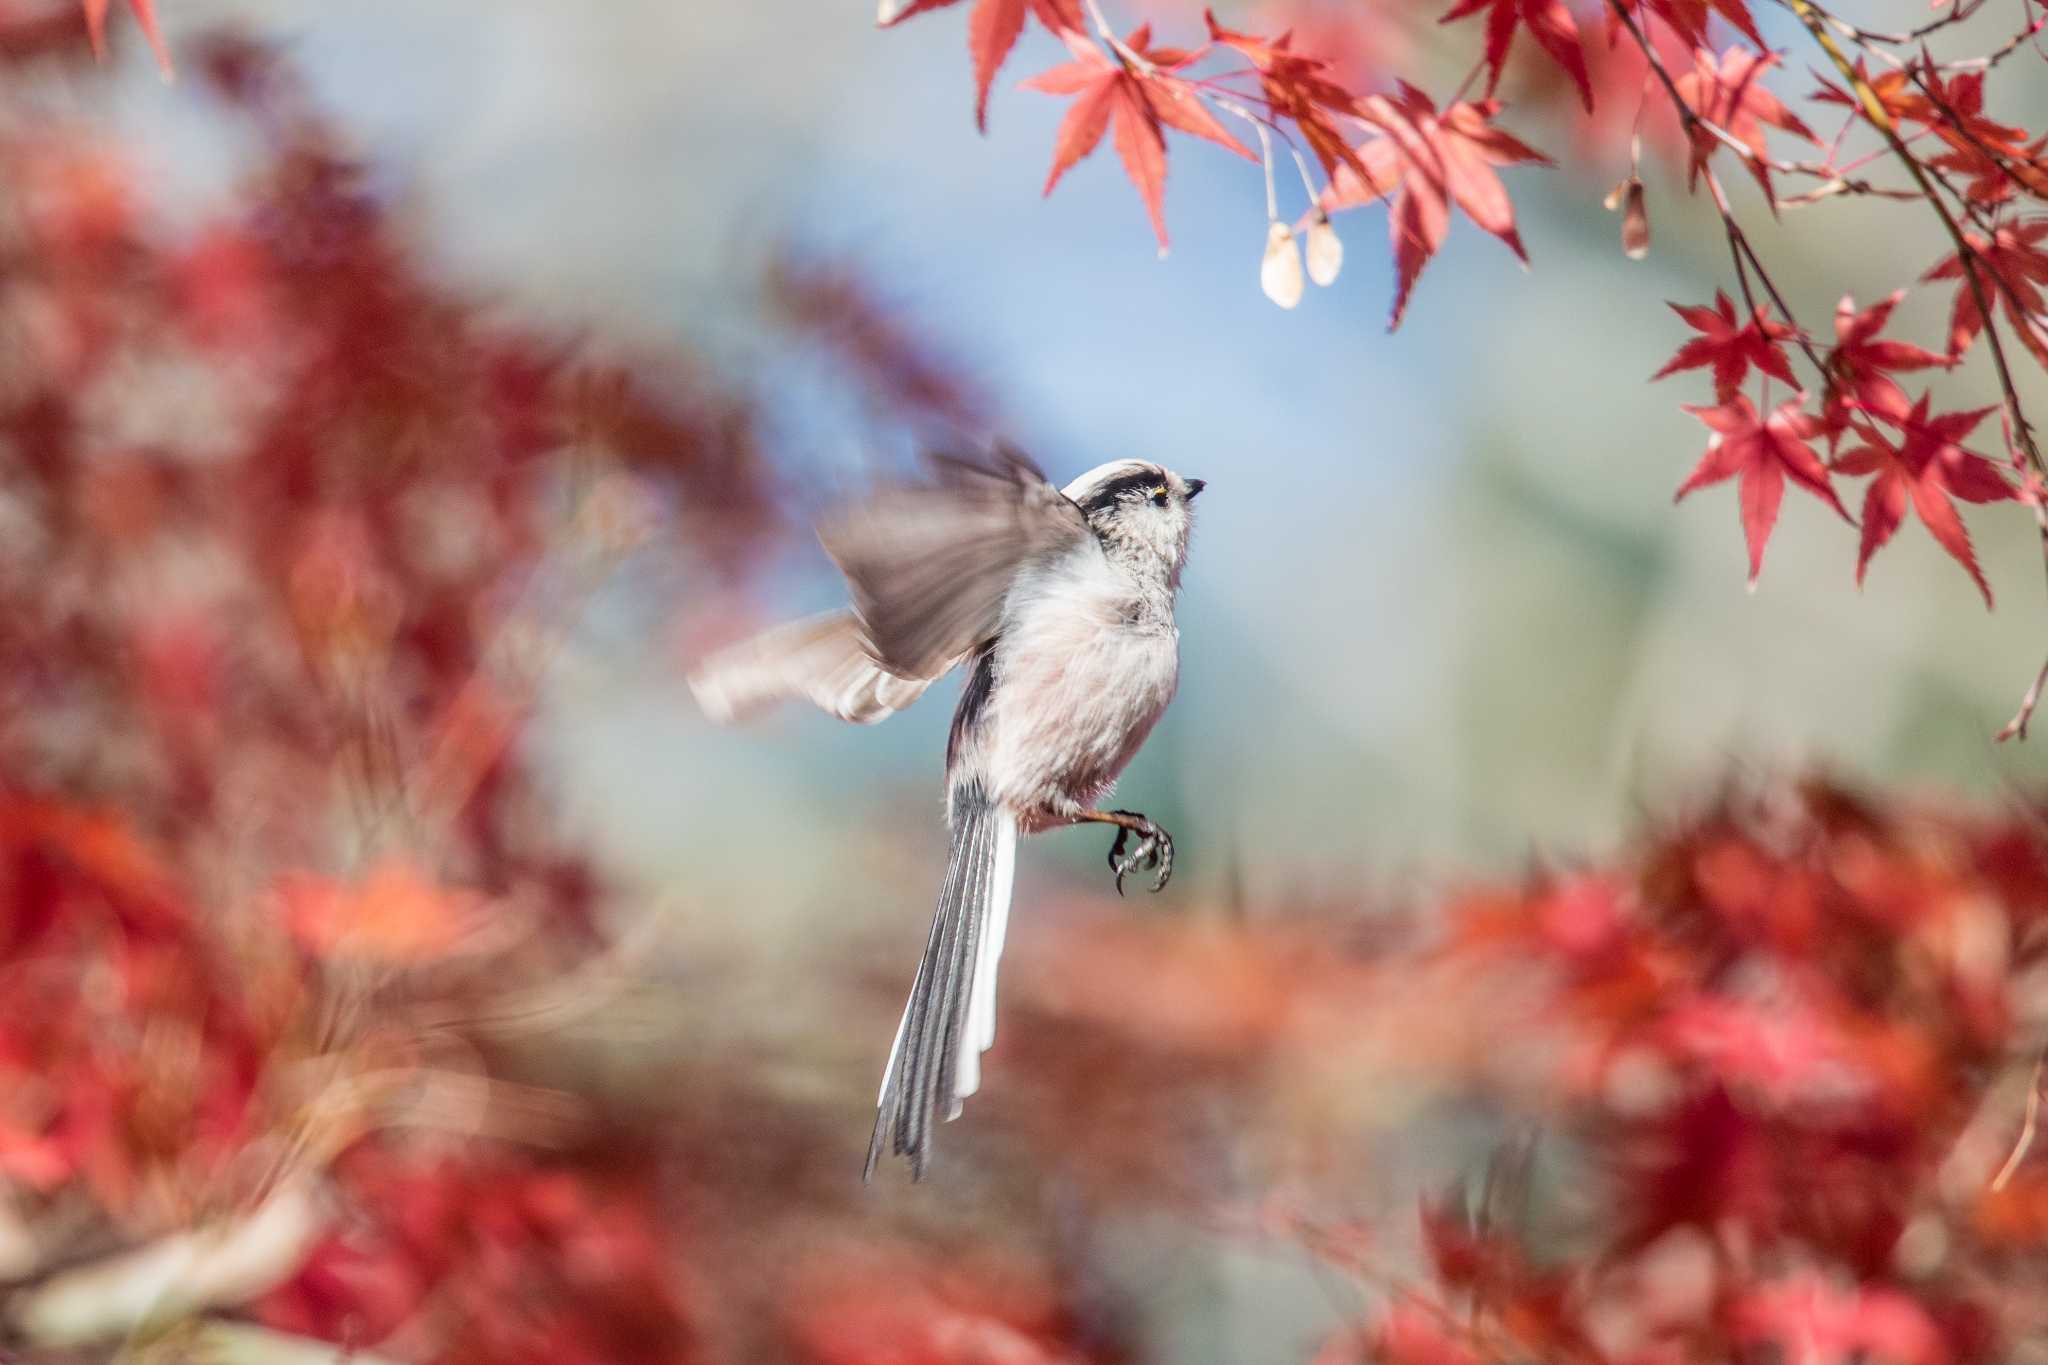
1325,251
1635,217
1280,271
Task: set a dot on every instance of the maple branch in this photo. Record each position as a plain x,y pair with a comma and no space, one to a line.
2016,728
1739,246
1133,60
1967,255
1958,13
1962,129
1973,267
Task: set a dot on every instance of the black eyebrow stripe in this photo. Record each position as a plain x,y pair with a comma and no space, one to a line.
1106,496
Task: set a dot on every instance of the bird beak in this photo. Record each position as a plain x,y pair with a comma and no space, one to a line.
1196,486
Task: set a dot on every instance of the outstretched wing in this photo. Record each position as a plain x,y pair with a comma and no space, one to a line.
824,659
929,565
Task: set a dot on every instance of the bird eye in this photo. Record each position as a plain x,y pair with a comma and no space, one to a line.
1159,496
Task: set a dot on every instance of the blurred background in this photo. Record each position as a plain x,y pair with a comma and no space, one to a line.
703,269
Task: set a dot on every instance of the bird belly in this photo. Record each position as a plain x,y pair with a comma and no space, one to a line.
1078,693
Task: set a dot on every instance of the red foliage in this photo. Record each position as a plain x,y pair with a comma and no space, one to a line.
1761,455
1664,69
1927,468
1780,1036
1731,350
1425,162
1549,22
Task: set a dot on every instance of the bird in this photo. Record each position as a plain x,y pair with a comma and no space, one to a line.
1058,606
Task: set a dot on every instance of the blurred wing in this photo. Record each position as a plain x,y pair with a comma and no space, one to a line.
822,659
929,565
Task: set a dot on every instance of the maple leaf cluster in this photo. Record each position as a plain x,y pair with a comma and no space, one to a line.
1914,455
1336,95
1784,1051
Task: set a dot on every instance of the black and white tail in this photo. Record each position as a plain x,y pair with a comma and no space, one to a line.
950,1019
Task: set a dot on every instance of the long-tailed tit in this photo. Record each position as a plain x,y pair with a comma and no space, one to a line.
1059,603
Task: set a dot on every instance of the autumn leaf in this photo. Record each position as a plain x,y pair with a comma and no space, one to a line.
145,16
1426,161
1549,22
2011,268
1140,106
1761,455
1996,156
1299,88
992,30
1858,364
1926,469
1689,18
1728,92
1731,349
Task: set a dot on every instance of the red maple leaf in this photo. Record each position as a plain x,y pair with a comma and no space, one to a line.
1426,161
992,30
1141,104
1762,454
1299,88
1731,348
1996,156
1728,92
1548,22
1857,366
1688,18
2012,267
145,16
1927,468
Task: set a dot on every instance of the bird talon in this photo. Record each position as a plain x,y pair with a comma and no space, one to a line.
1154,851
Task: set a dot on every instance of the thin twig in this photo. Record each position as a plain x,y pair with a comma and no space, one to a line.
2026,1137
1973,267
2016,728
1125,53
1738,241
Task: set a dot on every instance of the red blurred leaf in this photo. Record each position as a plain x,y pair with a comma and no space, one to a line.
1729,92
2011,267
1689,18
1549,22
1817,1323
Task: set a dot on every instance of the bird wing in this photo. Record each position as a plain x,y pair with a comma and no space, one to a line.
929,565
824,659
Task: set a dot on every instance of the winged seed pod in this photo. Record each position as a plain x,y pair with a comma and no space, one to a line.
1280,271
1635,217
1325,251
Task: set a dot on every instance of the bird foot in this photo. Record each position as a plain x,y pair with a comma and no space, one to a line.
1154,850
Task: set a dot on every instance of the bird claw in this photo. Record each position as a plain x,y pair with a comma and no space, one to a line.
1154,850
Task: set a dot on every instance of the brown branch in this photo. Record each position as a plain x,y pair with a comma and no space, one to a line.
2016,728
1739,246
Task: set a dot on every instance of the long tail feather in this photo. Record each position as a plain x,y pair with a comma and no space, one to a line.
949,1019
